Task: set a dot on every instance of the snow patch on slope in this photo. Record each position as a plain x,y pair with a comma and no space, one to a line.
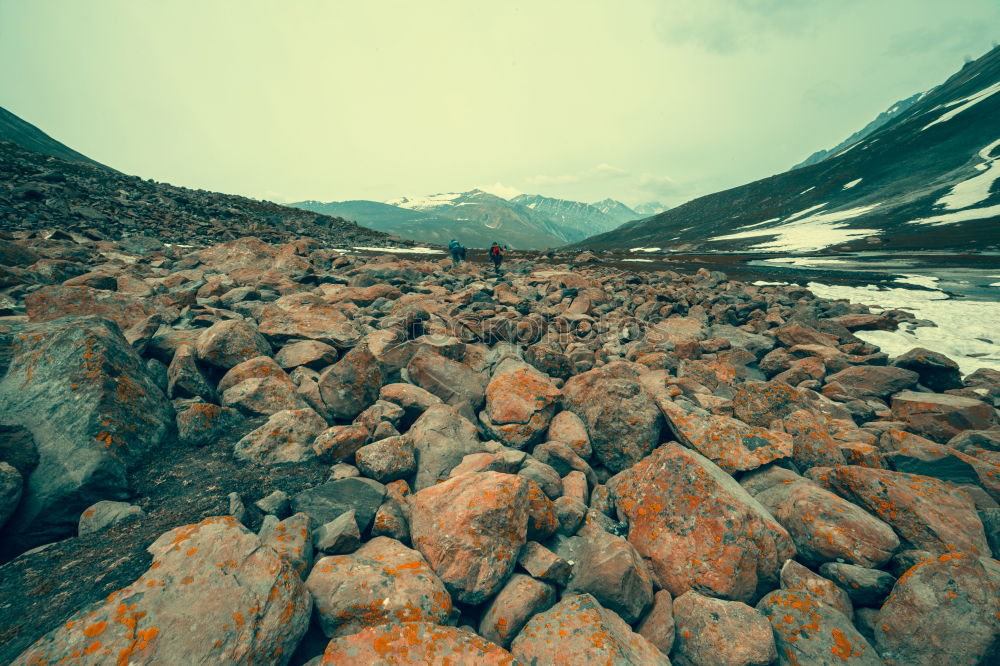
965,102
960,216
810,233
973,190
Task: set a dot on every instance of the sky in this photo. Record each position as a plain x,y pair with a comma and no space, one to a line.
637,100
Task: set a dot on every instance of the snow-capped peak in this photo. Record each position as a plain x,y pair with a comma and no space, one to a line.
427,202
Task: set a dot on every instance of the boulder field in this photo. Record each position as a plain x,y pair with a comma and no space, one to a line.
290,454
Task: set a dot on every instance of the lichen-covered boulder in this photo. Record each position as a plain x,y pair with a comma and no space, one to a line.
807,631
622,419
82,392
471,529
212,595
520,402
414,643
698,527
230,342
715,631
579,630
927,513
383,581
944,610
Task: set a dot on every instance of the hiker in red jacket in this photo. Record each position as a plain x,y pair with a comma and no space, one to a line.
496,254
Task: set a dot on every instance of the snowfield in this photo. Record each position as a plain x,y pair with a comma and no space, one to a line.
967,331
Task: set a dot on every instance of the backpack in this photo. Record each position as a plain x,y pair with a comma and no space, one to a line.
495,250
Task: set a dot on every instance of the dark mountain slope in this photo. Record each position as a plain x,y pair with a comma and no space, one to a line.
29,137
42,193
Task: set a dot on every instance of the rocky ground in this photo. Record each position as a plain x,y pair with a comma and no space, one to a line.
241,452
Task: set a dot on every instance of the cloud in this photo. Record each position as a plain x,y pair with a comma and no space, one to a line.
952,35
730,26
500,190
662,186
600,172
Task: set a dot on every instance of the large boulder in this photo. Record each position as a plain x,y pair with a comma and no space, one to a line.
55,302
945,610
927,513
941,416
471,529
622,419
937,371
450,380
229,343
609,568
415,643
520,402
808,631
383,581
579,630
306,316
714,631
698,527
351,384
212,595
873,380
441,437
81,390
287,437
518,600
824,526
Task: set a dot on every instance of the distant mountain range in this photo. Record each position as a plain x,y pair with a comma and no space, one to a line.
926,178
477,218
29,137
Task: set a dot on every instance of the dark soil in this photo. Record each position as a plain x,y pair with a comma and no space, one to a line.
178,485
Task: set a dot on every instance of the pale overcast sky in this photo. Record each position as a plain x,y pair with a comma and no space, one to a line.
332,100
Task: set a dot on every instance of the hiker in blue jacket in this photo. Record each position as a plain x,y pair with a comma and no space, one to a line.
457,252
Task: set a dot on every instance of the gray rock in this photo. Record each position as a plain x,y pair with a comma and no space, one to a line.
286,437
236,508
185,379
339,536
106,513
328,501
865,587
441,438
201,424
277,504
